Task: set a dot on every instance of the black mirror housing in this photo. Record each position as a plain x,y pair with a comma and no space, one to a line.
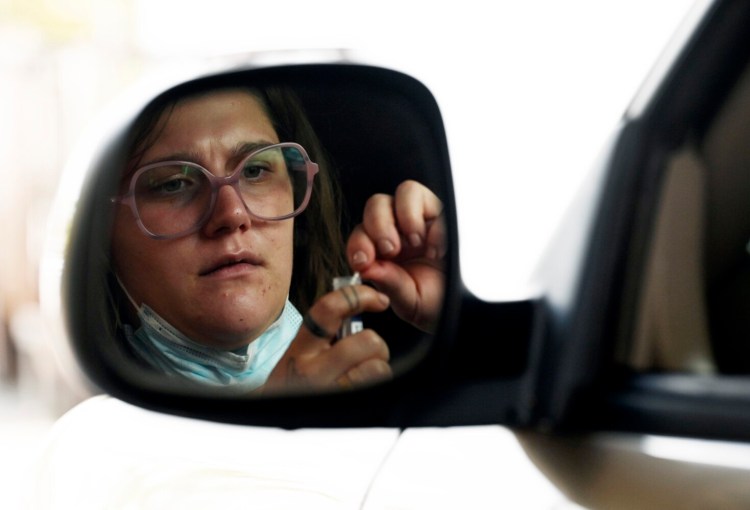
366,118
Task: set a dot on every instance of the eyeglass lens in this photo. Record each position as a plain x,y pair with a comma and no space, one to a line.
175,198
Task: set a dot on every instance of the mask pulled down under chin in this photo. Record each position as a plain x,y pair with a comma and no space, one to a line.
162,346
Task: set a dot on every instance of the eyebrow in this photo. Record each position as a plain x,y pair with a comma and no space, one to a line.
240,150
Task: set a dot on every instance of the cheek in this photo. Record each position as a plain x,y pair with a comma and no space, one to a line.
139,262
283,252
124,243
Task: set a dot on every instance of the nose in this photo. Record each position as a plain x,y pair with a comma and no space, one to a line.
229,213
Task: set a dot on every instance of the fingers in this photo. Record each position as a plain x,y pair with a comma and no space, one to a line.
360,356
415,290
327,314
314,361
355,360
416,208
436,241
360,249
399,247
372,370
379,223
407,224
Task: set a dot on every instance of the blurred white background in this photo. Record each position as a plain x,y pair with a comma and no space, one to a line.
529,92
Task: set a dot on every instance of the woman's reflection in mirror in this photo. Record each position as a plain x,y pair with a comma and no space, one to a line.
226,239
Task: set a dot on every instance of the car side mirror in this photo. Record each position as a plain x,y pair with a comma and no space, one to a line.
376,127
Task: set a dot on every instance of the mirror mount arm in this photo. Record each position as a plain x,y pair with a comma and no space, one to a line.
487,362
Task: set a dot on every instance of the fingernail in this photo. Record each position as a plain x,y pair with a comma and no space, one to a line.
359,258
415,240
432,253
384,299
385,246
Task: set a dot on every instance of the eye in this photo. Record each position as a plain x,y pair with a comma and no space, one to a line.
253,170
169,181
173,185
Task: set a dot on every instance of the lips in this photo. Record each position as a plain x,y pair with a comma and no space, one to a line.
227,263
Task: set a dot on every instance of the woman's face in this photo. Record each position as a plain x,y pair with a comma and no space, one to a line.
226,283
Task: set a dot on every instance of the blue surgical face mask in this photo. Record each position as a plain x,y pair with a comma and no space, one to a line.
168,350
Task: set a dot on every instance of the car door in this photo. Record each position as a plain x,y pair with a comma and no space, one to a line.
664,298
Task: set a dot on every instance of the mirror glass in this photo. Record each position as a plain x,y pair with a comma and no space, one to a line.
264,232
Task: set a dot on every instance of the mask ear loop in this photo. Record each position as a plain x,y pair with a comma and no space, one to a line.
127,294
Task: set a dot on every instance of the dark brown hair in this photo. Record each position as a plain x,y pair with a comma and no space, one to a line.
318,239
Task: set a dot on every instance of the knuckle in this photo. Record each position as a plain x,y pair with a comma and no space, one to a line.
375,344
370,371
326,307
307,371
376,200
381,370
408,186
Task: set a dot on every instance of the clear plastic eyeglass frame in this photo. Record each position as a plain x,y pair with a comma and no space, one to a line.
216,182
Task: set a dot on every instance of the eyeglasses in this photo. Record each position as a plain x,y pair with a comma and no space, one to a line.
171,199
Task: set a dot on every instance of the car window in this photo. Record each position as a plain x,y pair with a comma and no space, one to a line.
692,312
727,239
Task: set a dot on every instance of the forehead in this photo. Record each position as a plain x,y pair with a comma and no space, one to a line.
216,119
